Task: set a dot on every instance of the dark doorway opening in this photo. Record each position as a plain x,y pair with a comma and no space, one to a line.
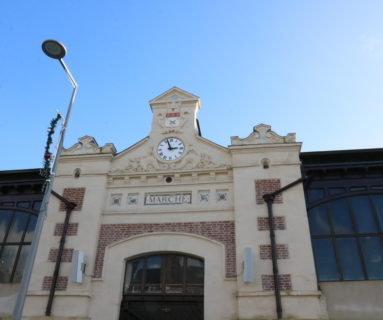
163,287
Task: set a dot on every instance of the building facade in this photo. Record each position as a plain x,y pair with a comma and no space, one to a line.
178,226
345,209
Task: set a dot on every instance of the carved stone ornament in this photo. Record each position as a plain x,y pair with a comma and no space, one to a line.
262,133
132,199
173,119
149,163
88,145
203,196
115,200
222,196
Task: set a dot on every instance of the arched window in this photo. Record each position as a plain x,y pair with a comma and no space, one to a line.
163,287
347,234
16,231
164,274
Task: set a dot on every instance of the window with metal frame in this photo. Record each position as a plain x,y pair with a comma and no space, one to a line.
17,225
346,225
167,274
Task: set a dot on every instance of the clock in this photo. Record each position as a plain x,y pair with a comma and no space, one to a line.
170,149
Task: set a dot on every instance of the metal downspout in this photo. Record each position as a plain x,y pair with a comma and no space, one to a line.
269,199
278,301
69,207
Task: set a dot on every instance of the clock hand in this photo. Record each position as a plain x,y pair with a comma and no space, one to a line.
170,147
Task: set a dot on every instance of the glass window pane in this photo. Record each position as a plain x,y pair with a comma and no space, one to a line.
5,218
358,189
334,191
174,269
325,261
378,202
194,290
153,269
134,275
19,222
31,228
194,270
7,261
341,219
7,204
373,256
21,263
24,204
152,288
349,259
36,206
364,219
315,194
318,219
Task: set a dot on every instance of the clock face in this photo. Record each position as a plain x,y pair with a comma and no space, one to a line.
170,149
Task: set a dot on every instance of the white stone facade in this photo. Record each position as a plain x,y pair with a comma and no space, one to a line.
205,201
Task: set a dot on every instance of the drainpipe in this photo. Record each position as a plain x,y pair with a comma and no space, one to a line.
269,199
69,206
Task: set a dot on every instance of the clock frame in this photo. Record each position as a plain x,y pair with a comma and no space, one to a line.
170,149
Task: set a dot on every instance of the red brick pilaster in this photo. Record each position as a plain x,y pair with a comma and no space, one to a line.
66,256
281,250
75,195
279,223
61,284
283,279
265,186
72,229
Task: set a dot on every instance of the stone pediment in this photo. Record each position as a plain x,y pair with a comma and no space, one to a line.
150,163
199,154
262,134
88,145
173,95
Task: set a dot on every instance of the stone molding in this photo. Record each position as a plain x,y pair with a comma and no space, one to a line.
88,145
262,134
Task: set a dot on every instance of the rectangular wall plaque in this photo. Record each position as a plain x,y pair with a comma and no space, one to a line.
168,198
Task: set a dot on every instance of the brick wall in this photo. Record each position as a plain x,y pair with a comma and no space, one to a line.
75,195
221,231
283,279
265,186
61,284
66,256
71,231
279,223
282,251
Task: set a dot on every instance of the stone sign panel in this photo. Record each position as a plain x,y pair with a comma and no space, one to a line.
167,198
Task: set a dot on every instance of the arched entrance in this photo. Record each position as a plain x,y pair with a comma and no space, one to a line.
163,287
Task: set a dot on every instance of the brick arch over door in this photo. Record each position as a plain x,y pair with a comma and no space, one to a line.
221,231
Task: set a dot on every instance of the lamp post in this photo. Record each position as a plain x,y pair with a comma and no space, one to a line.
55,50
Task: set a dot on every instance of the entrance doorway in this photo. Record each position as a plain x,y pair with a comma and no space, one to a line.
163,287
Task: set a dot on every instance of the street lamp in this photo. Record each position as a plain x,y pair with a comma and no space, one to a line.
55,50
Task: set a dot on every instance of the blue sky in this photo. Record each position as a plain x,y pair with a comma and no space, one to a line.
310,67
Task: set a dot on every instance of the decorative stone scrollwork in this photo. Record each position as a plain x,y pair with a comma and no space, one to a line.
149,163
88,145
262,133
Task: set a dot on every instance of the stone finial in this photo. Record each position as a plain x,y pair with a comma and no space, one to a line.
89,145
262,134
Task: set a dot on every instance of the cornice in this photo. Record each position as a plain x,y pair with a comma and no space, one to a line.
272,147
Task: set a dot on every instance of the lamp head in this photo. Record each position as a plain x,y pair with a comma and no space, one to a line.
53,49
